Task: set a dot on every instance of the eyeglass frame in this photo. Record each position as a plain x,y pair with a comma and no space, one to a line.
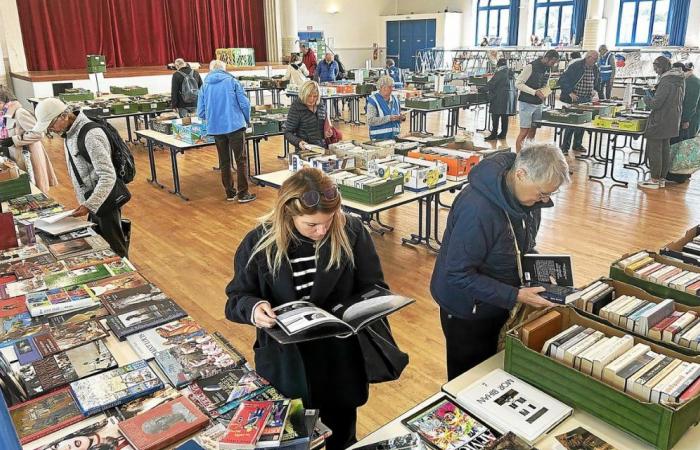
325,195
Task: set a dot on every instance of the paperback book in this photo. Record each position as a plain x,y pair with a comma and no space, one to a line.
117,283
25,252
271,435
91,259
551,269
143,404
300,426
19,326
301,321
214,391
27,268
96,433
581,439
509,441
202,358
44,415
26,351
67,336
163,425
63,368
59,300
89,274
444,425
246,426
509,404
82,315
132,298
29,203
78,246
49,239
410,441
147,315
115,387
178,332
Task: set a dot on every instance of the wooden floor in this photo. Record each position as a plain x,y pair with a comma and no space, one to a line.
187,248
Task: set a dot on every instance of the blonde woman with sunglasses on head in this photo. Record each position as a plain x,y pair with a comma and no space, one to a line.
307,249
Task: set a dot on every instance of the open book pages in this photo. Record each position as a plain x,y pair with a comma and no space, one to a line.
295,317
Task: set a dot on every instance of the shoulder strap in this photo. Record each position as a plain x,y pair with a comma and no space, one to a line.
82,150
518,255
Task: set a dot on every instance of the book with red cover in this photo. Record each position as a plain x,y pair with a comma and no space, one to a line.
163,425
44,415
691,392
246,426
8,236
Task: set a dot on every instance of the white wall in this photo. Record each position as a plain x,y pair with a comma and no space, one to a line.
428,6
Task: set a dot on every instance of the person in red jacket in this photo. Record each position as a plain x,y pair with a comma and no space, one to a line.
309,59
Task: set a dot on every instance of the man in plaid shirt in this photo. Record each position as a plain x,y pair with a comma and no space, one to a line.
578,85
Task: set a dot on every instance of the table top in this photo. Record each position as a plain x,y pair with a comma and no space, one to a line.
326,97
168,139
588,126
275,179
101,97
615,437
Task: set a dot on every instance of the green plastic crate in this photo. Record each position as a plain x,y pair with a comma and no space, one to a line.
617,273
659,425
76,96
165,127
131,91
123,108
595,110
261,127
152,105
365,88
568,117
373,195
451,100
96,63
423,103
18,187
478,80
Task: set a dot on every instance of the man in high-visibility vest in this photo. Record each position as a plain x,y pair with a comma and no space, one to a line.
606,65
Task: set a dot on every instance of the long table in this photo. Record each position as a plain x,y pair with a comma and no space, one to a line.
276,93
176,146
615,437
428,208
418,118
603,147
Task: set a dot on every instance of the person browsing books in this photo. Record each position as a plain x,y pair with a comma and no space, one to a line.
384,111
494,220
307,249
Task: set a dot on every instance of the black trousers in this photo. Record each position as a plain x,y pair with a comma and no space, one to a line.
469,342
343,423
605,89
226,144
109,226
503,119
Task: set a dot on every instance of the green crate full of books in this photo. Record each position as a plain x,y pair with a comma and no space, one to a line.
76,95
423,103
165,126
451,100
365,88
262,126
123,108
595,110
131,91
567,117
96,63
14,188
659,424
373,190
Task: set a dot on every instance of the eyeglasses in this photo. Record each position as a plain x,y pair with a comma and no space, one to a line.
546,195
52,123
313,198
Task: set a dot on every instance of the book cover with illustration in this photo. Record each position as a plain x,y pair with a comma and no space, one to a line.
246,426
96,433
147,343
132,298
78,246
91,259
271,435
27,268
580,439
147,315
143,404
60,300
117,283
44,415
67,336
213,392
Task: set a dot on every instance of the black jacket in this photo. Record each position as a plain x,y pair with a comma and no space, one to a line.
477,262
502,93
571,77
325,372
538,79
303,125
176,100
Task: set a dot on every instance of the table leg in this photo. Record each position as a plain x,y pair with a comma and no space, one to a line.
256,156
152,162
285,149
598,151
128,128
176,174
425,223
412,121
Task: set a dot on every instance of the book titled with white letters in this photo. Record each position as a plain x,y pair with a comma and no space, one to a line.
509,404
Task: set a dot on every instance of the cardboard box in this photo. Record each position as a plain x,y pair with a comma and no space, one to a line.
419,175
195,133
675,249
459,163
9,171
620,123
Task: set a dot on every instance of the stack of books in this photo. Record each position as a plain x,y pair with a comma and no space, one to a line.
643,266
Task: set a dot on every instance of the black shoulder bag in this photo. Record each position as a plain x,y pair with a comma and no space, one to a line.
118,197
384,361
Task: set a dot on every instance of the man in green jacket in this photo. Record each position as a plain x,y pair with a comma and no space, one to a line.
690,115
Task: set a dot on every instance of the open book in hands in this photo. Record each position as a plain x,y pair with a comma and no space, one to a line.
301,321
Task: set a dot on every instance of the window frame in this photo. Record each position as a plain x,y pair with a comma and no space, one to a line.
485,5
548,5
650,31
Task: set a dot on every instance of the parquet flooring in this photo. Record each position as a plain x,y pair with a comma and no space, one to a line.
187,248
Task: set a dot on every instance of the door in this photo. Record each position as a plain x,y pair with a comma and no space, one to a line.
392,41
406,44
430,32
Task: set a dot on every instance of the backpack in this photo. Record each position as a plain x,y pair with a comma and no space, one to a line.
189,90
122,159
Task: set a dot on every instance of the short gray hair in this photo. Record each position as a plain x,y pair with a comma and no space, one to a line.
217,64
543,163
179,63
307,89
384,81
6,95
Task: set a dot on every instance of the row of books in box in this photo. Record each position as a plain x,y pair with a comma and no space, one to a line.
105,107
342,88
87,346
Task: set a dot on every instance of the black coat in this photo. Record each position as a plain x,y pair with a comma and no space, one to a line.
326,372
176,100
303,125
502,93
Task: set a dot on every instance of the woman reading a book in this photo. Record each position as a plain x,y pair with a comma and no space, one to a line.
307,249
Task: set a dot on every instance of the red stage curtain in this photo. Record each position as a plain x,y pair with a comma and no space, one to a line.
58,34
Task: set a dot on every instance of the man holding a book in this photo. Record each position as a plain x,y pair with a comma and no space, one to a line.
477,278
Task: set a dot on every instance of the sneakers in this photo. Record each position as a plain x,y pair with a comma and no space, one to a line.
491,137
246,198
501,136
580,149
650,184
231,197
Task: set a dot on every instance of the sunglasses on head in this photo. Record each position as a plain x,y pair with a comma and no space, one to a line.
313,198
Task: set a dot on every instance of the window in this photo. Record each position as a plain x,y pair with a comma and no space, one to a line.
553,19
639,20
492,20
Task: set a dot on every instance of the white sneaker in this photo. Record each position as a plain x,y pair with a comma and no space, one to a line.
662,183
649,184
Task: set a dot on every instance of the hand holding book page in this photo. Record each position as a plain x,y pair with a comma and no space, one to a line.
303,321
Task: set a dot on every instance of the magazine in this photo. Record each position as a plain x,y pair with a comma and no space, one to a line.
178,332
301,321
27,268
96,433
146,316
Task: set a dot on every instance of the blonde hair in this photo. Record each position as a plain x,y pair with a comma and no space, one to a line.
307,89
278,226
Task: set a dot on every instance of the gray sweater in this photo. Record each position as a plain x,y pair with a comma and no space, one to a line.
98,177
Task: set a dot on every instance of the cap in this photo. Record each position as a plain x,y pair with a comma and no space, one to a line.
46,111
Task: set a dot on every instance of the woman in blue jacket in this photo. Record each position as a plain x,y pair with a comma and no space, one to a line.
222,103
494,220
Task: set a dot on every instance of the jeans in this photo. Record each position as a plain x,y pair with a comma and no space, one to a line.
503,118
469,342
109,226
566,140
225,145
658,157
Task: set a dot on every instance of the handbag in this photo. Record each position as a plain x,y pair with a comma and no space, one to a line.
384,361
118,197
336,135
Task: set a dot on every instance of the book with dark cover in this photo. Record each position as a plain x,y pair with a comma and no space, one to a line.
248,387
509,441
27,268
63,368
164,425
8,234
66,336
581,439
213,392
78,246
445,425
44,415
19,253
96,433
91,259
246,426
132,298
264,394
115,387
555,293
552,269
271,435
300,426
202,358
82,315
408,441
146,316
301,321
51,239
26,351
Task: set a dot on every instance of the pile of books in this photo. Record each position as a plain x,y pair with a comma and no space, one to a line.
616,360
88,346
644,266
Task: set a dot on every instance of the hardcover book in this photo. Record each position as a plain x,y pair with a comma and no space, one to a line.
59,300
26,351
96,433
581,439
18,326
410,441
82,315
65,367
509,404
91,259
78,246
88,274
300,426
164,425
145,316
246,426
202,358
143,404
115,387
214,391
444,425
44,415
117,283
132,298
178,332
27,268
552,269
66,336
13,306
51,239
30,202
251,386
19,253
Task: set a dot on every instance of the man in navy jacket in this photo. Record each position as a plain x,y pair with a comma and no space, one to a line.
327,69
578,84
476,280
